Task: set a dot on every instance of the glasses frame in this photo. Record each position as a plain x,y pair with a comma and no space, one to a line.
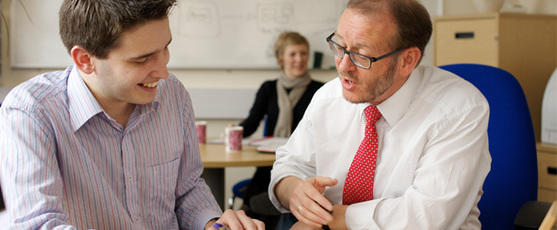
331,43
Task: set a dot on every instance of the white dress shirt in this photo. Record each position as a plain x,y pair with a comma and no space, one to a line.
433,154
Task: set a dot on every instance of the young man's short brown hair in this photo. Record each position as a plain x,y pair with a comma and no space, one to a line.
96,25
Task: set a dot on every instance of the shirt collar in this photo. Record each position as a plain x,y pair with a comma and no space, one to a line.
394,108
82,105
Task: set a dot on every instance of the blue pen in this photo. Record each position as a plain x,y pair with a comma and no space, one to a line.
219,226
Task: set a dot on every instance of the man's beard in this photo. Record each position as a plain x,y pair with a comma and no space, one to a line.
381,86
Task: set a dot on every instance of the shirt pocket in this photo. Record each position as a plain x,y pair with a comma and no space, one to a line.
161,178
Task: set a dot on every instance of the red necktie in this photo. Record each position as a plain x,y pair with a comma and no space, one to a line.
358,186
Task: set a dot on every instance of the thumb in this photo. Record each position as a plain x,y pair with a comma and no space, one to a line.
320,182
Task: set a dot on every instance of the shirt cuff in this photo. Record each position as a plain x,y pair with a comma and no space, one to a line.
205,216
360,215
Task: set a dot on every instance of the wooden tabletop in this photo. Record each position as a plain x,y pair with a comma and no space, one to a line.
215,156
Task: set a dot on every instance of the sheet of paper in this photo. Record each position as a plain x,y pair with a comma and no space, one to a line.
268,145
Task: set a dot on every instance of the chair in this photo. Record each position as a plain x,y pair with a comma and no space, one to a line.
266,131
238,191
513,179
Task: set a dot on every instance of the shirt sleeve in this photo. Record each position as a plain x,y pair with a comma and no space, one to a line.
195,204
449,174
30,176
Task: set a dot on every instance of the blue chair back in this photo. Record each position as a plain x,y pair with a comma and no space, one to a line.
238,190
513,179
266,131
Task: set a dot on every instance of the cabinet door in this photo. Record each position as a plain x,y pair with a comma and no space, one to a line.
547,170
466,41
547,195
547,176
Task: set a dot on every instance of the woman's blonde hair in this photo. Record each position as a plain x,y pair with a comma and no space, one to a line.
285,39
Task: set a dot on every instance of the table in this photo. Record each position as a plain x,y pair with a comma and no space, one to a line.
215,158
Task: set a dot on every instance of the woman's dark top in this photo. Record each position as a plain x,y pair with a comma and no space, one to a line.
266,103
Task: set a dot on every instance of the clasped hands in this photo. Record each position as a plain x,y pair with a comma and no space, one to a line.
311,208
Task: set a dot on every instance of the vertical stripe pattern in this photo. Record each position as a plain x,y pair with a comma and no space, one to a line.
64,162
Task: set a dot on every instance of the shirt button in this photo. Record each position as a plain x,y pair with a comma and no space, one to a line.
130,178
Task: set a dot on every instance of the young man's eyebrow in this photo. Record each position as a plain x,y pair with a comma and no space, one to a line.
151,53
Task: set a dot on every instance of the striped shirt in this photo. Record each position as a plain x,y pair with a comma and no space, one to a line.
64,163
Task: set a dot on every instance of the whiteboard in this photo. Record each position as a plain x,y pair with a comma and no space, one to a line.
228,34
209,103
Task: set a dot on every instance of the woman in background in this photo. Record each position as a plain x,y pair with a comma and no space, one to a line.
283,101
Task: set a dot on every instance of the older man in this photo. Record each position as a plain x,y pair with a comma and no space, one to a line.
388,144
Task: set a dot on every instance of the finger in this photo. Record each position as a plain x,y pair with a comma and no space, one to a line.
247,222
301,226
260,225
306,196
321,181
320,201
230,219
315,211
300,215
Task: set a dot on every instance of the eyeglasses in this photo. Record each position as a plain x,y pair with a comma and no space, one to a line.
360,60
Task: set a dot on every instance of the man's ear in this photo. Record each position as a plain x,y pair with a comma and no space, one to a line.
408,60
83,59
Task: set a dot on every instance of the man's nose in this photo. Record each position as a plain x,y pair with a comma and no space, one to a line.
346,64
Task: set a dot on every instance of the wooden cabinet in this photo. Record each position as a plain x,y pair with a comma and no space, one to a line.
547,172
523,44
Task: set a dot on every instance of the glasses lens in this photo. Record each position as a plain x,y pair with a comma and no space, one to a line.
360,60
337,50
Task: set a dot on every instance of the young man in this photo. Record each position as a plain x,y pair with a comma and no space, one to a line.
387,145
110,142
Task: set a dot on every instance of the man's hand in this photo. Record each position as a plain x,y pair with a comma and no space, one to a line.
339,221
305,199
236,220
301,226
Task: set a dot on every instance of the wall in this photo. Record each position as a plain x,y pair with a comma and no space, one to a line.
218,34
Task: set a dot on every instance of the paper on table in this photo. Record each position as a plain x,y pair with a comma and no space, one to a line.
268,141
220,140
266,144
269,144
